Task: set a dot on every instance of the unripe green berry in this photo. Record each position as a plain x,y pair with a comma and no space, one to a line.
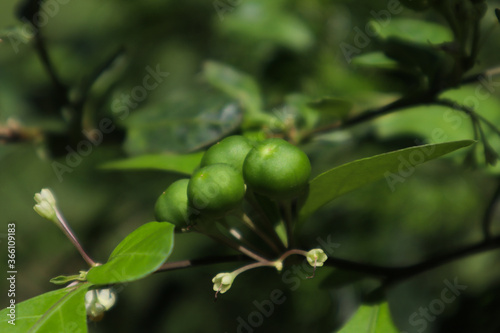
173,205
277,169
231,150
216,189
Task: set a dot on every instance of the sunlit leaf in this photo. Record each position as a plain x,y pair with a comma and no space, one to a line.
61,310
139,254
345,178
371,319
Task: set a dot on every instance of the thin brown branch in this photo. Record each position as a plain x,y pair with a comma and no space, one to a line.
169,266
391,275
399,104
489,213
481,77
61,89
388,275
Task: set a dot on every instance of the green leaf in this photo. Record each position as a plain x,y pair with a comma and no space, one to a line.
415,31
234,83
168,162
181,125
298,106
347,177
139,254
268,22
61,310
375,59
447,124
371,319
434,63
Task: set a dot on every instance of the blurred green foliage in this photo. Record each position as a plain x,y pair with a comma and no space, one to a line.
290,57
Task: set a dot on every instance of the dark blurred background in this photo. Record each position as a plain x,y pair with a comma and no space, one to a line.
289,47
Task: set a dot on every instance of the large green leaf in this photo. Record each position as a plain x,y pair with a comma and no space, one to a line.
61,310
139,254
181,125
234,83
371,319
168,162
394,166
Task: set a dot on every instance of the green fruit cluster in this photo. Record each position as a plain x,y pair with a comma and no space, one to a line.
273,168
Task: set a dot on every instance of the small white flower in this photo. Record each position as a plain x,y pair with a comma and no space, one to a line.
45,195
222,282
98,301
316,257
46,205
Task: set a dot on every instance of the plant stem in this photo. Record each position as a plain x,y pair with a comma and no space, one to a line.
481,76
488,214
267,224
236,234
401,103
231,244
292,251
170,266
476,36
288,219
390,275
251,254
399,274
475,117
62,93
71,236
251,266
249,223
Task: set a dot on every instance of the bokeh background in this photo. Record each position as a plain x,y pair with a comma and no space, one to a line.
290,48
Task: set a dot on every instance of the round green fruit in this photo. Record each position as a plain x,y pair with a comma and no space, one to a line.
277,169
216,189
231,150
173,205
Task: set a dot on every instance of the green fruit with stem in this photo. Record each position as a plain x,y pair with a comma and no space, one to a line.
173,204
216,189
231,150
277,169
